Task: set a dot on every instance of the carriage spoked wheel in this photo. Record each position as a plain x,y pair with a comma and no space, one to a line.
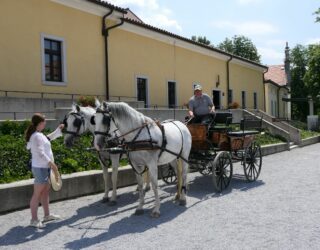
252,161
168,174
222,171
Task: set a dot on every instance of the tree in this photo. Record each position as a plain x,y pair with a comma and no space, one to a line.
201,39
312,76
240,46
317,13
299,61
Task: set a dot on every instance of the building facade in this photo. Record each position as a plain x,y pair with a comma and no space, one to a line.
89,47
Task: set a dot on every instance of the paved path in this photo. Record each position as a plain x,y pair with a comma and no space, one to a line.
279,211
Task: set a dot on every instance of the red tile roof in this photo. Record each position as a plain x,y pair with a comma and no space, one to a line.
276,74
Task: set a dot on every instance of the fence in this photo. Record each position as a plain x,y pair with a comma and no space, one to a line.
42,95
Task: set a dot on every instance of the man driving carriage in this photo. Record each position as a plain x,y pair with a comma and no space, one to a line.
201,107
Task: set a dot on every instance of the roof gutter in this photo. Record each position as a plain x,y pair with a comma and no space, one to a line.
228,79
105,33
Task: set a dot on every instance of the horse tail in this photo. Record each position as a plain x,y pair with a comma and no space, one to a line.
179,177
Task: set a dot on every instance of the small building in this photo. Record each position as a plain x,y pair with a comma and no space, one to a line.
277,86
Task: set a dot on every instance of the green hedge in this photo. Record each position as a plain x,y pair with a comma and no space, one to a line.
14,155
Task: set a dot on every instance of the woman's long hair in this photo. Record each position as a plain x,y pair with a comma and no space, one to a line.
35,120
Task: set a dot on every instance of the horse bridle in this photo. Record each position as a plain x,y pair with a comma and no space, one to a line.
78,122
106,120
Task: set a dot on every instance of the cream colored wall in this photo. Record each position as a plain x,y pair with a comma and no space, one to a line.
248,80
283,106
132,55
21,25
272,93
267,108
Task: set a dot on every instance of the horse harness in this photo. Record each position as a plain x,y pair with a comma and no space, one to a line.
135,144
78,121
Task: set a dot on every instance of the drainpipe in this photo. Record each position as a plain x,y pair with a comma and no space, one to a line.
105,33
228,80
264,91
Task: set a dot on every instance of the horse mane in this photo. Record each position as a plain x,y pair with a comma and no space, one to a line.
124,112
87,111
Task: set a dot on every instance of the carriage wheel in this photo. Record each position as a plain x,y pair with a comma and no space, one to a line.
252,162
168,175
222,171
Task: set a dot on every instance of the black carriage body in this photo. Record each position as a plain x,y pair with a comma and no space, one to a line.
216,145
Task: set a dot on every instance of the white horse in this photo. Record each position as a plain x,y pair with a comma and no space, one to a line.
147,145
77,122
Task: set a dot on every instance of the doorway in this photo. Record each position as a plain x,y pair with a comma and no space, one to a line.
172,94
216,98
142,91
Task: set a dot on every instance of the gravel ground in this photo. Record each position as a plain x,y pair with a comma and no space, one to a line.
279,211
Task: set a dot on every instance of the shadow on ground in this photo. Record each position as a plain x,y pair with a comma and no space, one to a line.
95,212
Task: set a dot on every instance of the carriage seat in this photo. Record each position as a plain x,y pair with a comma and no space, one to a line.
221,121
248,127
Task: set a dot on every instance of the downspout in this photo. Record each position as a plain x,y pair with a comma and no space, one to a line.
228,80
264,91
105,33
278,101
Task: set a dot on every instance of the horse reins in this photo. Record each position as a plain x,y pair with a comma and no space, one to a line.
77,123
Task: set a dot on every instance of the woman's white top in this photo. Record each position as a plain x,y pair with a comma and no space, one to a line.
40,148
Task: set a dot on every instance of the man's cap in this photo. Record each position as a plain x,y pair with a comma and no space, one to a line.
197,87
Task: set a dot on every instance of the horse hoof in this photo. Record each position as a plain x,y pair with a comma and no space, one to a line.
139,212
112,203
155,214
105,200
147,189
182,202
177,197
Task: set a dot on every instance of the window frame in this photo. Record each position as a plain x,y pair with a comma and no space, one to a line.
255,100
147,104
230,96
175,94
243,99
62,41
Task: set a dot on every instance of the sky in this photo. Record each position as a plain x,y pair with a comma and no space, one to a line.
269,24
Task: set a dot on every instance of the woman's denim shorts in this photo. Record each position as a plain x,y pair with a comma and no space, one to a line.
41,175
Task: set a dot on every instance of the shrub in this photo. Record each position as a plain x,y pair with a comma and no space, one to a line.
14,155
233,105
86,101
14,128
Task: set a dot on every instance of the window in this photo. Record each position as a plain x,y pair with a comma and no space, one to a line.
142,90
230,96
52,53
243,99
53,60
172,94
255,102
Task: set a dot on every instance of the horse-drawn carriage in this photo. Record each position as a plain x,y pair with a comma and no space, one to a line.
148,144
217,145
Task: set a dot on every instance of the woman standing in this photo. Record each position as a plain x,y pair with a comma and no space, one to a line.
42,164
